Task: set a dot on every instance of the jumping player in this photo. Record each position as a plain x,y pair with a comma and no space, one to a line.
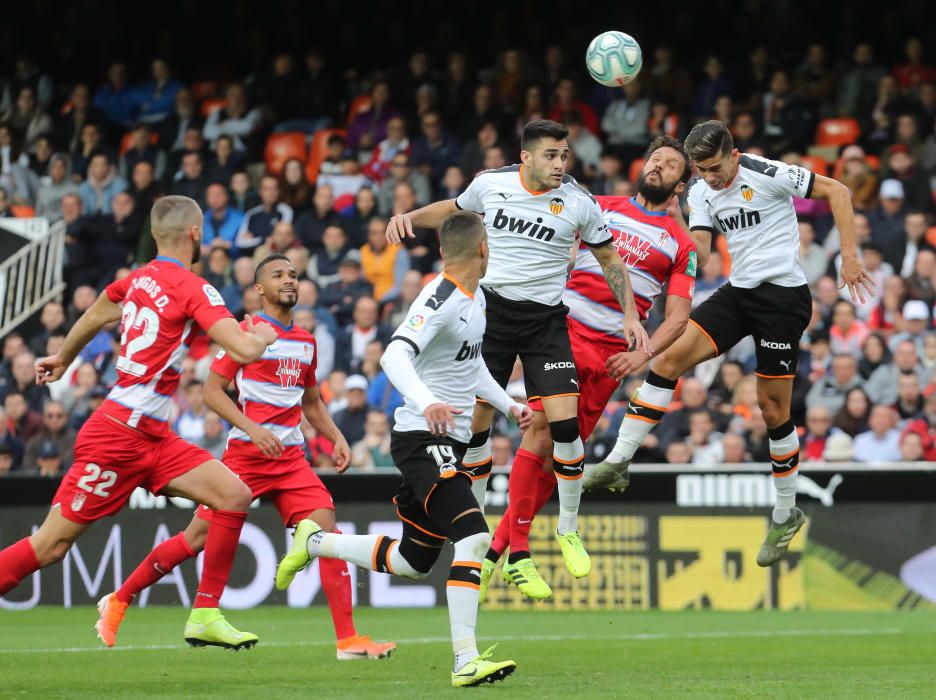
658,253
264,450
750,200
532,212
127,442
434,360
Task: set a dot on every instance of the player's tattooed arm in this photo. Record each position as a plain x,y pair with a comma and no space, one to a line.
619,282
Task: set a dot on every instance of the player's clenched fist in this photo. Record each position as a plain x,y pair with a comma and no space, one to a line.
49,369
440,418
342,455
264,331
398,228
522,416
266,442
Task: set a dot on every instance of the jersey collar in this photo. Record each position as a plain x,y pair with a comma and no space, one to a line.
523,184
458,284
273,322
646,211
166,258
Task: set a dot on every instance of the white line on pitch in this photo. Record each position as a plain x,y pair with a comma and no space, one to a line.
636,637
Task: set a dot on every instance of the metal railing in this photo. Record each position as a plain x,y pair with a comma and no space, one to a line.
31,276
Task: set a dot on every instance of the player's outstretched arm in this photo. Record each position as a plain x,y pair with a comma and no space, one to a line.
432,215
217,399
102,312
854,275
494,394
619,282
700,236
244,346
397,363
673,326
316,412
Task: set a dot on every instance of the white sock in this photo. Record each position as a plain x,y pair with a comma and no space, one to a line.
462,593
784,457
477,463
645,409
568,463
361,550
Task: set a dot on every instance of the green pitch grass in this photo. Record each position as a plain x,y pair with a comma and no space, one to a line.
50,652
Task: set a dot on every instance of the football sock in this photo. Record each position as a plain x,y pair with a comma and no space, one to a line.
336,582
568,464
16,563
220,547
545,485
478,464
784,462
164,558
501,538
521,491
644,410
461,590
374,552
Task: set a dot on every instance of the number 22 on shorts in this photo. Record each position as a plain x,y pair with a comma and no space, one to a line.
104,478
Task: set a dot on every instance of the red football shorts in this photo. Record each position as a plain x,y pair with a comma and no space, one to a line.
112,460
291,485
596,387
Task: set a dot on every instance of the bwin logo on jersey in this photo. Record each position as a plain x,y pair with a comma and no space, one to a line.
774,346
743,219
468,352
288,372
502,222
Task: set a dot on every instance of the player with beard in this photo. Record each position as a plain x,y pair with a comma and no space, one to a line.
658,252
127,442
265,451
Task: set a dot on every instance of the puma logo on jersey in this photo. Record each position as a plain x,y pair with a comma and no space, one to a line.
745,218
468,352
505,196
771,345
502,222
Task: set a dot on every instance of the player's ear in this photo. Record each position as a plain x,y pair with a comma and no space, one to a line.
680,188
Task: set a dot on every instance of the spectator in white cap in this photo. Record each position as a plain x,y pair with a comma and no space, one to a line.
838,448
887,219
916,315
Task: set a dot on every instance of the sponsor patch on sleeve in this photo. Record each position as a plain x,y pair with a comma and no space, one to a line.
415,323
214,296
691,265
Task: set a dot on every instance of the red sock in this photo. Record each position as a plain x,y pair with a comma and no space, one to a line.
336,582
164,558
501,534
220,546
521,490
16,563
544,490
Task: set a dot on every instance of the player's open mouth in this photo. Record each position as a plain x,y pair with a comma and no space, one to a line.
288,290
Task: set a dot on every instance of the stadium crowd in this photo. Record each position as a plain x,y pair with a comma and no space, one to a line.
298,158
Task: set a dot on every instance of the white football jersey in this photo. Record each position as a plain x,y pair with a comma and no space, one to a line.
530,234
445,326
755,214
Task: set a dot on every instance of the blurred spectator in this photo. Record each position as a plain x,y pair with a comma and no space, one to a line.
224,160
812,256
217,265
214,435
294,187
887,219
114,236
90,142
839,448
882,385
482,110
901,168
584,144
7,457
611,171
919,285
625,122
22,421
369,127
318,91
914,72
345,184
397,311
351,419
501,451
55,430
384,265
911,447
888,313
102,184
706,442
277,91
373,449
282,239
243,279
311,224
54,187
323,266
818,427
388,150
909,404
852,417
222,221
858,178
191,180
142,148
335,150
435,150
235,119
13,345
874,355
27,119
351,342
787,119
259,221
847,333
454,182
916,318
472,153
829,391
49,459
565,102
925,426
709,88
117,100
339,297
733,449
22,381
191,422
157,97
304,317
180,119
679,452
915,229
143,187
858,86
881,442
675,424
401,171
75,114
52,321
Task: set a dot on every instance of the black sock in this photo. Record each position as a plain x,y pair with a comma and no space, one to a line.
492,556
514,557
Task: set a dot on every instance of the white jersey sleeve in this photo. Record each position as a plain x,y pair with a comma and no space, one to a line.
594,229
472,199
781,179
426,319
700,215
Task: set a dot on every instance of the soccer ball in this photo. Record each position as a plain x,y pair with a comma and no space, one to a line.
613,58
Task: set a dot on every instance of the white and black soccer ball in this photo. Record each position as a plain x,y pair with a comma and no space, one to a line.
613,58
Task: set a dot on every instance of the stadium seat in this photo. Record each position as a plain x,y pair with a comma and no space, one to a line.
209,106
873,162
204,90
635,167
127,140
282,147
837,132
22,211
359,104
318,150
817,165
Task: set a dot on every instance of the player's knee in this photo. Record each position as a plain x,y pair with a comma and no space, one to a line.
667,365
479,438
538,438
234,495
773,412
196,539
474,546
50,551
564,430
416,560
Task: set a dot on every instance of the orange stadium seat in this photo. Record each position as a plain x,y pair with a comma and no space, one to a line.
318,150
635,167
209,106
837,132
359,104
817,165
282,147
873,162
127,140
204,90
22,211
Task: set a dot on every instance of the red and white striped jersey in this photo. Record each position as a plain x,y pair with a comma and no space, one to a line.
655,250
269,390
164,307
